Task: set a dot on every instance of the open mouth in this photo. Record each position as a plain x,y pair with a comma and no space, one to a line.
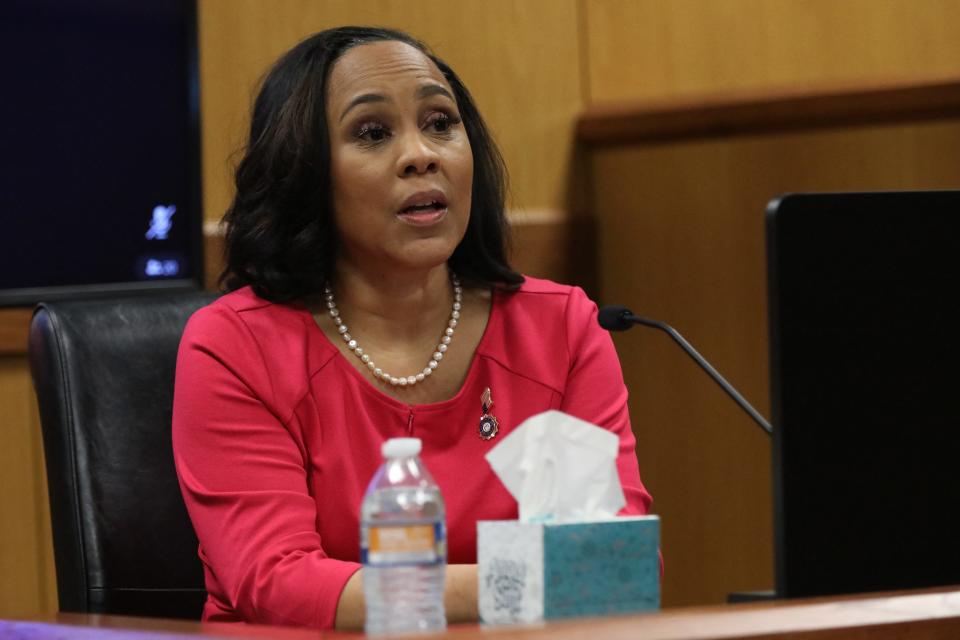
431,207
424,208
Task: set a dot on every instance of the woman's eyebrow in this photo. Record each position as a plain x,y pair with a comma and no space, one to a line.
362,99
423,92
428,90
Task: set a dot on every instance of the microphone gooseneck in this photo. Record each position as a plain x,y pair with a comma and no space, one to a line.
618,318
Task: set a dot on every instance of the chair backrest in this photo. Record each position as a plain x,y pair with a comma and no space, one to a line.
103,371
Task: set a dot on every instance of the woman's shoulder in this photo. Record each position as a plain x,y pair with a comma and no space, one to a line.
242,318
541,286
242,307
537,329
541,297
259,340
234,302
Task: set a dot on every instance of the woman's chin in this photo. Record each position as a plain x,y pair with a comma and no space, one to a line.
426,253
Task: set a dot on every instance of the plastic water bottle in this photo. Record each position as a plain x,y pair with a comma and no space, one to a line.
403,544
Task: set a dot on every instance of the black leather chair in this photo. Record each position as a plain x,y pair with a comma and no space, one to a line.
103,371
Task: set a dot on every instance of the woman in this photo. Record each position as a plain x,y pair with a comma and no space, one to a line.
369,298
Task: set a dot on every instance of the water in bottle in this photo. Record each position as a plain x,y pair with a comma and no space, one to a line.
403,544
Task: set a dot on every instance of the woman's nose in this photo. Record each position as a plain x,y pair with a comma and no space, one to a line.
417,156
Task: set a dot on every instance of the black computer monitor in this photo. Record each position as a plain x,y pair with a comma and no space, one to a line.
865,342
99,123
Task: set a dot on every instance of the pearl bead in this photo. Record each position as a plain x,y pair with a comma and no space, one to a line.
379,373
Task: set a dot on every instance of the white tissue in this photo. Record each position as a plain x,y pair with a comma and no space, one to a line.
560,469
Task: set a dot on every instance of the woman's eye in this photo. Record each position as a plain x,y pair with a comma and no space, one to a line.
441,122
372,133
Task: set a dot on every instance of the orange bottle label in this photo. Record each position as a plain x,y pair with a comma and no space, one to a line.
402,543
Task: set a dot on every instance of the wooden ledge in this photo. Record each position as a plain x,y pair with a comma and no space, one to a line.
917,615
14,326
719,115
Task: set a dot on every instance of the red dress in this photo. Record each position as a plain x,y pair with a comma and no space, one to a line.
276,436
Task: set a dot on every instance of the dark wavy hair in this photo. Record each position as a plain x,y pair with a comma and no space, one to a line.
281,238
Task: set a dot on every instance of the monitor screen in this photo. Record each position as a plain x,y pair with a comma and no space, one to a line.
865,341
99,190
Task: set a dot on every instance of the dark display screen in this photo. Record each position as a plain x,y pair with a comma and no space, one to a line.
99,188
865,340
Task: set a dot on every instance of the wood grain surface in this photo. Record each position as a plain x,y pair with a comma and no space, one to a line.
668,48
903,616
752,112
27,578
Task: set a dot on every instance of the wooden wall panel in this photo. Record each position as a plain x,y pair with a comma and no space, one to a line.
27,578
14,324
681,239
519,59
656,48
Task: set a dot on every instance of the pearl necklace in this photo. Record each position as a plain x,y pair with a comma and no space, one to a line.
402,381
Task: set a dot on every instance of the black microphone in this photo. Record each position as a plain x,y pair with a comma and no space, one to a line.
615,318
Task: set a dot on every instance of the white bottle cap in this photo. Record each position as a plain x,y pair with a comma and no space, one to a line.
401,447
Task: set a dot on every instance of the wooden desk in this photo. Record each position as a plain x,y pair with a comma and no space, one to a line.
929,614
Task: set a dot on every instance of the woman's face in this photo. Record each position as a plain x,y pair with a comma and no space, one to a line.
401,164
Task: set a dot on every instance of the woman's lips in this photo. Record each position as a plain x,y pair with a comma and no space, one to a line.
423,217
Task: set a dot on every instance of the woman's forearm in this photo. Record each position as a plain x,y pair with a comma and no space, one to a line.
350,608
459,598
460,594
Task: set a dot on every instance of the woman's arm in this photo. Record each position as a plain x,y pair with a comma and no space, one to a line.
243,474
459,598
595,392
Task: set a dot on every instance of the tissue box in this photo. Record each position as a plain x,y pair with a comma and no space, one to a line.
540,571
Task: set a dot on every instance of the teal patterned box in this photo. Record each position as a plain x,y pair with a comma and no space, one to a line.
540,571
